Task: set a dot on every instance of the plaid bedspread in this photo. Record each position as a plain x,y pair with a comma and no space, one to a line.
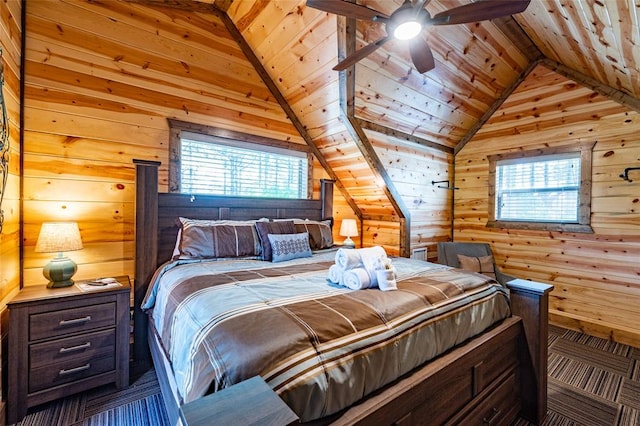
321,347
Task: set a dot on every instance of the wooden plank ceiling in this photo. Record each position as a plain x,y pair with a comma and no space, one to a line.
477,66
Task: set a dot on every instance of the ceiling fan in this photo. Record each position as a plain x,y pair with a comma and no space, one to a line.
408,21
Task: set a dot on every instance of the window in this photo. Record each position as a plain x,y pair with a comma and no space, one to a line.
207,160
547,189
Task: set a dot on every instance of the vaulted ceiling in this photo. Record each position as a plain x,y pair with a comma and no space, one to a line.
294,47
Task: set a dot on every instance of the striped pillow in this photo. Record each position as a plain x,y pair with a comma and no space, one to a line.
320,235
208,239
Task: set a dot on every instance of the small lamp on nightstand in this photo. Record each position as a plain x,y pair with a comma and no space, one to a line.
349,229
59,237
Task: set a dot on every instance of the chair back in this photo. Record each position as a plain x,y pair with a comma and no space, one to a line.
448,251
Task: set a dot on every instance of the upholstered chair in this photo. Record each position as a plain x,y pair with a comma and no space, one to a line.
475,257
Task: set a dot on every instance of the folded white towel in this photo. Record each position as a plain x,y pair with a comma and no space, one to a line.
335,274
357,279
386,279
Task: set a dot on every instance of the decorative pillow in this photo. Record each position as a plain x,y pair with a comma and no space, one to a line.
320,235
482,264
206,239
289,246
266,228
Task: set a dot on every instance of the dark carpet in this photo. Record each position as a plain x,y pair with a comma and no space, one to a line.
138,405
592,382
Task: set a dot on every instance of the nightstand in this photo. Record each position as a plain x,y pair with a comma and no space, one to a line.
65,340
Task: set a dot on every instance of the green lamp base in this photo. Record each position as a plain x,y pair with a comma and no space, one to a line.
59,272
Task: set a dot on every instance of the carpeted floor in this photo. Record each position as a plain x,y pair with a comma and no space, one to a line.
138,405
592,382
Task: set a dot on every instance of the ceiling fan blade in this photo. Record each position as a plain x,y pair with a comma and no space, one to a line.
350,10
421,55
480,11
356,56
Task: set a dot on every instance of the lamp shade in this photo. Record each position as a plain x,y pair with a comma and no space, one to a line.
59,237
348,228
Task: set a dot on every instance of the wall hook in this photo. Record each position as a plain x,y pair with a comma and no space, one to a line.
450,188
625,175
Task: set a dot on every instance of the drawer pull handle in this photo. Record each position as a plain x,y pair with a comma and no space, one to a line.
75,348
492,417
74,370
75,320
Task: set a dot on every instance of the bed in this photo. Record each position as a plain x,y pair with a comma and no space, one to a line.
335,355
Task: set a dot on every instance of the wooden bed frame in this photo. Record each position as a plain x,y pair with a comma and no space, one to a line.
490,379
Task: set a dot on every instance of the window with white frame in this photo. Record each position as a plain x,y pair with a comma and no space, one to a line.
210,161
546,189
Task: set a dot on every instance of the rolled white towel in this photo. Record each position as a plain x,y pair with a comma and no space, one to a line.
356,279
335,274
373,258
348,258
367,257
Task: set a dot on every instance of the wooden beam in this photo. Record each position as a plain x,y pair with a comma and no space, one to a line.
188,5
368,125
514,32
494,107
223,5
346,45
220,6
583,79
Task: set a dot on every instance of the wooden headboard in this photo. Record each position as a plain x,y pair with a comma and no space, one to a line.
156,229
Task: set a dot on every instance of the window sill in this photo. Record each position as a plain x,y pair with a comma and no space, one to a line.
542,226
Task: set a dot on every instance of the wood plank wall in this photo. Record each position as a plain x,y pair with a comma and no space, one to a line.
412,168
596,276
10,40
101,79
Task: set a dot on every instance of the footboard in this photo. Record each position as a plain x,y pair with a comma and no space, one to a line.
479,380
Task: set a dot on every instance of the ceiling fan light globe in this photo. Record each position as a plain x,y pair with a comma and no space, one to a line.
407,30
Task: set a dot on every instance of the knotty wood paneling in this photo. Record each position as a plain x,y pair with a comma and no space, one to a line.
101,80
597,38
412,169
596,276
10,41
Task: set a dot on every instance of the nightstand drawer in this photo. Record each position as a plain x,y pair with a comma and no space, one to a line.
69,370
63,322
97,344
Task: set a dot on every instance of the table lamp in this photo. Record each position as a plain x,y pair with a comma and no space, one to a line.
349,229
59,237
